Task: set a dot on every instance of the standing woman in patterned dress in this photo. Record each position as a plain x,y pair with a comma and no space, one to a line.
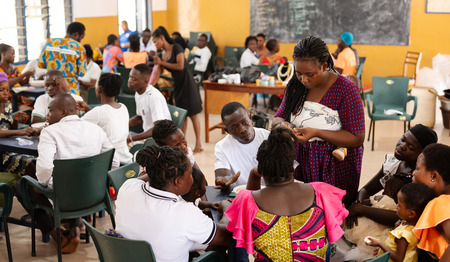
325,111
186,93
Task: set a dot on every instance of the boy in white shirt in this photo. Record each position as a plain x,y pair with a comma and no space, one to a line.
55,84
151,105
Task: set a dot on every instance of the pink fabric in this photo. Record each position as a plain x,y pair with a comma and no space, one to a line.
244,208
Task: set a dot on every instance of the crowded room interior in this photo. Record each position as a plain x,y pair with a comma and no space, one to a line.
240,130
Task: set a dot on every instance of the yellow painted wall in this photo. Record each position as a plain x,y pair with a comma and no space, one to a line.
229,22
98,29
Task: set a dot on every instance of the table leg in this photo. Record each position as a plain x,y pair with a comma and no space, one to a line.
206,117
15,107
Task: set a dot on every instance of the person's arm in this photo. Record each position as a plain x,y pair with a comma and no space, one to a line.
13,132
44,163
444,230
135,121
141,136
156,73
37,119
82,106
254,179
22,79
372,187
178,66
379,215
224,178
223,237
341,138
396,256
88,84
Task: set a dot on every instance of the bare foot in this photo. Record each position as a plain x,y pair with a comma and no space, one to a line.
64,241
198,149
72,246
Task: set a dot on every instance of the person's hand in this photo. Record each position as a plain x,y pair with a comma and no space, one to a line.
82,106
214,205
225,182
351,221
29,72
223,206
21,117
352,218
304,134
371,241
26,131
157,60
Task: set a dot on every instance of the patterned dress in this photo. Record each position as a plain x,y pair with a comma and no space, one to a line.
111,55
67,56
315,157
6,119
302,237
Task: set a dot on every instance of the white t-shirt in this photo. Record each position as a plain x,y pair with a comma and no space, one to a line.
231,154
201,58
151,106
248,59
170,224
93,72
38,72
42,102
147,48
114,121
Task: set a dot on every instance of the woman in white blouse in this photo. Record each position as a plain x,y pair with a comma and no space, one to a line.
111,116
249,57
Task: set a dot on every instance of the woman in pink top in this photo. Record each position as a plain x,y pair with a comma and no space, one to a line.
286,220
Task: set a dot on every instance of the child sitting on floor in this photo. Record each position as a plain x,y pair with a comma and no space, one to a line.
433,227
367,226
198,190
402,243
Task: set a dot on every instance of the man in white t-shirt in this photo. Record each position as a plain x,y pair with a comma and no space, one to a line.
93,72
237,151
146,44
55,84
202,54
151,105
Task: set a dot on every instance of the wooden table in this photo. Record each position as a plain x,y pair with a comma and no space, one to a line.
214,106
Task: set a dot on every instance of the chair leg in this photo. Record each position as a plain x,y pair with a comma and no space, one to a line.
409,125
113,221
404,127
8,241
370,128
58,243
33,234
373,134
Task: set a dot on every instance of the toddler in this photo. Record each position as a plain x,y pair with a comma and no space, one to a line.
198,190
402,243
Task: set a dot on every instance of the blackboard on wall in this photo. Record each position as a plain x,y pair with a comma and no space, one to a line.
372,22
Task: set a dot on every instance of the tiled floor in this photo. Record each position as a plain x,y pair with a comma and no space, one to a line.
388,132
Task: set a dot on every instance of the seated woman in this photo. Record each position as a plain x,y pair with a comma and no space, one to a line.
112,55
268,221
111,116
134,57
271,57
403,160
7,66
433,227
12,162
167,133
150,207
249,58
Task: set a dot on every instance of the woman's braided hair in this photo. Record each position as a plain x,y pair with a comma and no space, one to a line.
276,156
163,164
310,48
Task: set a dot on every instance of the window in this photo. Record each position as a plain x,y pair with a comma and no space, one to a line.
135,13
27,24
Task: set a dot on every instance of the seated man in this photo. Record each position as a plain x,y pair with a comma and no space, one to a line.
202,54
55,84
237,151
66,137
346,59
151,105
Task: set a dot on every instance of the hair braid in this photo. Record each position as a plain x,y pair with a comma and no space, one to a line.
163,164
276,156
310,48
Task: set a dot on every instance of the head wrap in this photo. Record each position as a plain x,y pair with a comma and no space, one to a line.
347,38
3,77
424,135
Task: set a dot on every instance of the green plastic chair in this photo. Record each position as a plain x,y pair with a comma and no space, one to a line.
177,114
114,249
5,211
136,148
150,142
121,174
130,103
92,98
359,71
232,56
125,74
389,93
80,188
263,68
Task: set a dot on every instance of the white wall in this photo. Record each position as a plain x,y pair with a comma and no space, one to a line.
94,8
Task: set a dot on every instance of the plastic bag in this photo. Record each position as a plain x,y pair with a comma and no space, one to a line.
250,74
